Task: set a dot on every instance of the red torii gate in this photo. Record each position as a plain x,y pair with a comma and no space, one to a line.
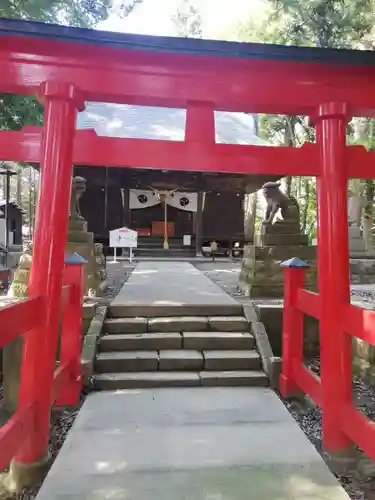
66,67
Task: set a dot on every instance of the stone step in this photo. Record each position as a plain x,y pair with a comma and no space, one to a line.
117,381
175,340
229,360
176,359
227,324
125,325
217,340
234,378
176,324
140,341
181,359
127,361
164,310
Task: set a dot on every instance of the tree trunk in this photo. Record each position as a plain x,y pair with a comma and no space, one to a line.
30,207
19,187
361,136
368,216
356,203
250,216
306,207
289,141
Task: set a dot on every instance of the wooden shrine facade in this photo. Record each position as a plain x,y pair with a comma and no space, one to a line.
105,204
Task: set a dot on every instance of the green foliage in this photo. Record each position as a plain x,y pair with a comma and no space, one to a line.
324,23
16,111
79,13
321,23
187,20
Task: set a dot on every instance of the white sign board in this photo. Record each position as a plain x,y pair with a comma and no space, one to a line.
187,240
123,238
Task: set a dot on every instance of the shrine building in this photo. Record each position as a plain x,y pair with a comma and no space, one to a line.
202,206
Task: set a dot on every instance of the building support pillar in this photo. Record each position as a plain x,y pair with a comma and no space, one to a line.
51,225
333,271
126,214
199,225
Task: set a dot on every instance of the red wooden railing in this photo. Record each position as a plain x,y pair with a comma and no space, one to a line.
296,377
17,320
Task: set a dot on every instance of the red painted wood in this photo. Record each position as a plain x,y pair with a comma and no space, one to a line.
292,330
48,260
200,123
359,323
333,271
71,335
233,84
173,155
89,149
17,319
308,303
308,382
15,433
360,163
359,428
65,293
61,379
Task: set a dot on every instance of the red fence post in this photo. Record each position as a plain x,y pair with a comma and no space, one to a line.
39,351
333,271
71,330
292,340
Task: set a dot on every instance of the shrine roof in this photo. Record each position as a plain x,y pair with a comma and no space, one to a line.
255,51
148,122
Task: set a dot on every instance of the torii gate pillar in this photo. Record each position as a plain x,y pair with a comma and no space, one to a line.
61,102
333,269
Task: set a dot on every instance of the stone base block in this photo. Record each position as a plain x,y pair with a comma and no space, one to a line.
356,243
281,227
281,239
354,232
93,277
81,237
77,225
357,246
261,274
270,316
21,476
362,271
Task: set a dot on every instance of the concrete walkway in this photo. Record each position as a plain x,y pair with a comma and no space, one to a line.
171,288
190,444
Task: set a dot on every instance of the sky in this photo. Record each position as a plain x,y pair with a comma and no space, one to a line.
153,17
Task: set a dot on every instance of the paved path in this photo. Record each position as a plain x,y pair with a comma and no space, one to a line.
189,444
173,285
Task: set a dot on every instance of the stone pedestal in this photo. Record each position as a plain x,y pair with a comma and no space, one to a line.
356,243
101,263
81,241
261,274
12,352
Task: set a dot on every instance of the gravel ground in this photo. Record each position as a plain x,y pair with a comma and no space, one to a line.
225,274
62,420
117,274
358,478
